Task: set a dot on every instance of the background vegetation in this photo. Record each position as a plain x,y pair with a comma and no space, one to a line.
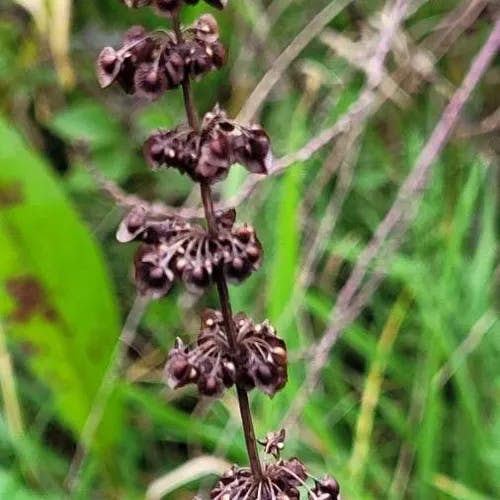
408,404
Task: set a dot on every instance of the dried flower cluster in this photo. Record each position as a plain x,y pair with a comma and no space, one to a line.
169,7
258,359
178,249
230,350
148,64
281,479
208,154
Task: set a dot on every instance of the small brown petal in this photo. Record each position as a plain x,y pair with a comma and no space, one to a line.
150,277
131,225
226,219
219,55
134,35
214,160
108,66
206,29
326,489
174,68
256,156
149,81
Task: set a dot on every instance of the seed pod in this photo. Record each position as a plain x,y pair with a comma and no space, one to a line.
132,225
325,489
245,253
176,148
206,29
255,153
226,219
108,66
151,277
174,65
196,277
149,81
167,7
214,159
178,369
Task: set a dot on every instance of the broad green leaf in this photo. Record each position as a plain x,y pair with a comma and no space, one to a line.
56,298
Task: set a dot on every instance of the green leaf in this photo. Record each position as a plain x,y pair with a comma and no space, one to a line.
89,122
12,489
55,294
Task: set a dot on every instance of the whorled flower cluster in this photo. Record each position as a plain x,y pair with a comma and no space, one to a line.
229,350
281,479
258,358
148,64
174,248
208,155
169,7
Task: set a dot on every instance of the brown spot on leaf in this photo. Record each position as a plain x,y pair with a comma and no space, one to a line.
30,299
11,194
29,349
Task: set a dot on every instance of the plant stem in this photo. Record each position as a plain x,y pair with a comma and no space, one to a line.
220,279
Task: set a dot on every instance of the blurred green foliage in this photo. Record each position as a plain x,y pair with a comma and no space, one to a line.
431,332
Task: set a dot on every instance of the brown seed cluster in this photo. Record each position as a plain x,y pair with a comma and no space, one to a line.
148,64
281,479
169,7
209,154
174,248
258,359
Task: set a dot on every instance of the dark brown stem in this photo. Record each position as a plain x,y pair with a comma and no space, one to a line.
191,111
220,279
227,314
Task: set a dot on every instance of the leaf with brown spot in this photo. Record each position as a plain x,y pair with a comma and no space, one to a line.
11,194
30,299
55,293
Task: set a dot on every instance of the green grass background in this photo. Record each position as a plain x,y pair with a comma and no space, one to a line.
409,403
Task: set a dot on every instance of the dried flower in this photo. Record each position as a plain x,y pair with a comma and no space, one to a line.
120,65
214,364
148,64
273,443
281,480
229,350
176,148
186,251
207,156
169,7
151,276
325,489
